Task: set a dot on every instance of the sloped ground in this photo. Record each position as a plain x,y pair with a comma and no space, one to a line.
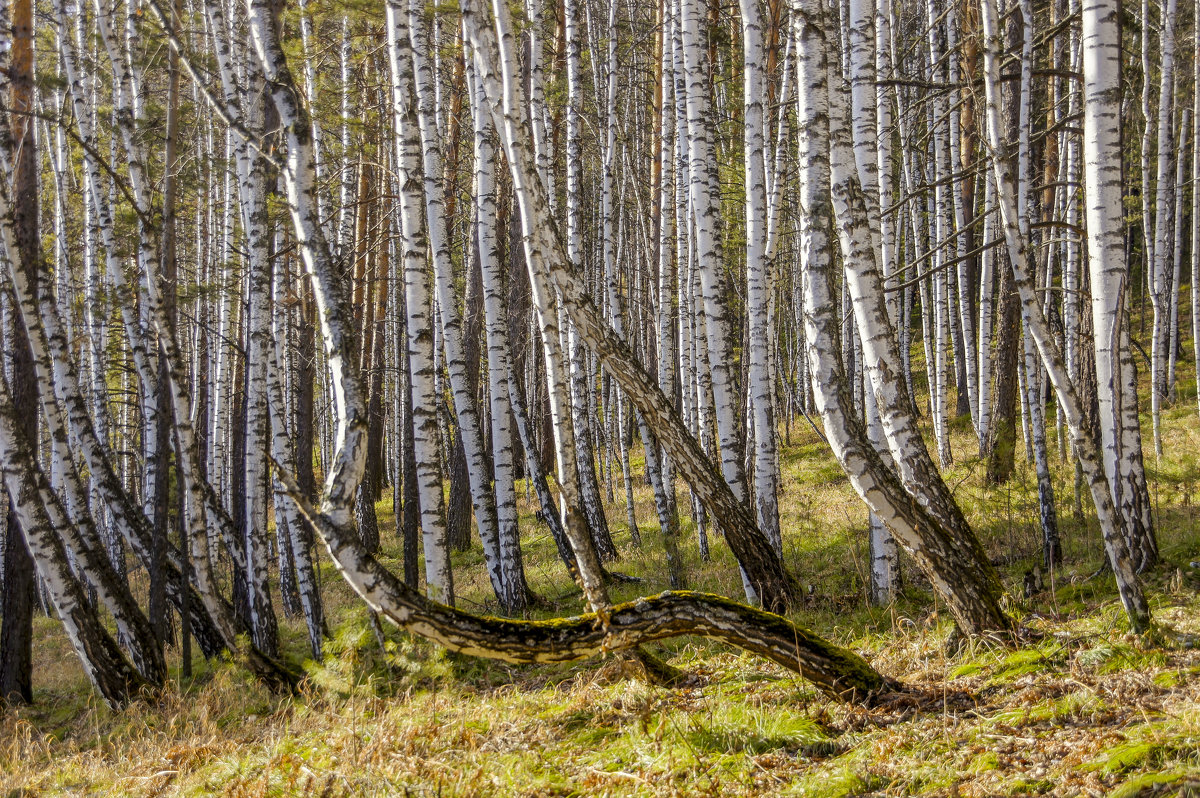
1078,708
1082,711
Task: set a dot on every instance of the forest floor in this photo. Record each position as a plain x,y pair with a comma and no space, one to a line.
1080,708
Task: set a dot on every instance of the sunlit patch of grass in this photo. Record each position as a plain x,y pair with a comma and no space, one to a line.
836,784
1176,782
1126,756
1024,662
1108,658
1078,706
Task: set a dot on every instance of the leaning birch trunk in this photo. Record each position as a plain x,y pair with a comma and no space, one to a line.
347,463
862,463
106,667
71,517
923,515
200,500
1102,157
547,260
126,516
836,672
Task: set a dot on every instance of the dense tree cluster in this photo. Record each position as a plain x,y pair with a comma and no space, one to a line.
261,262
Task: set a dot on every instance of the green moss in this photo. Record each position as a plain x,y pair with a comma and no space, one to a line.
831,785
1139,785
1125,757
1023,662
967,669
1113,657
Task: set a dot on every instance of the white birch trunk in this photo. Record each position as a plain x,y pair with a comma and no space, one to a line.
706,212
482,498
972,596
498,366
418,300
1161,287
758,287
1099,68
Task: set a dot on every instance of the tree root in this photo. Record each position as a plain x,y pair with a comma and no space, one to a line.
616,577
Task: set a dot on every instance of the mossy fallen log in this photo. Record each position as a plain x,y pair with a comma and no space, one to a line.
835,671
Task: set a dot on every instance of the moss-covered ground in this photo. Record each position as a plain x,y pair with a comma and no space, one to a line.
1078,707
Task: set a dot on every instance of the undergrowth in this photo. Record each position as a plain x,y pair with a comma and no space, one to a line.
1079,707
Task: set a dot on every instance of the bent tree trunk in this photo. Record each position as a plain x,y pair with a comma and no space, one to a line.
103,661
548,263
972,597
1085,444
837,672
941,526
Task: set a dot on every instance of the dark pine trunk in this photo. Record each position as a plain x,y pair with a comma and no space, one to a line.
1003,444
16,626
241,594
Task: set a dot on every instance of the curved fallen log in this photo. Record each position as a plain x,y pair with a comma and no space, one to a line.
838,672
835,671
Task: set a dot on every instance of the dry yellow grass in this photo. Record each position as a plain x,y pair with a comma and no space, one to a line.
1079,709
